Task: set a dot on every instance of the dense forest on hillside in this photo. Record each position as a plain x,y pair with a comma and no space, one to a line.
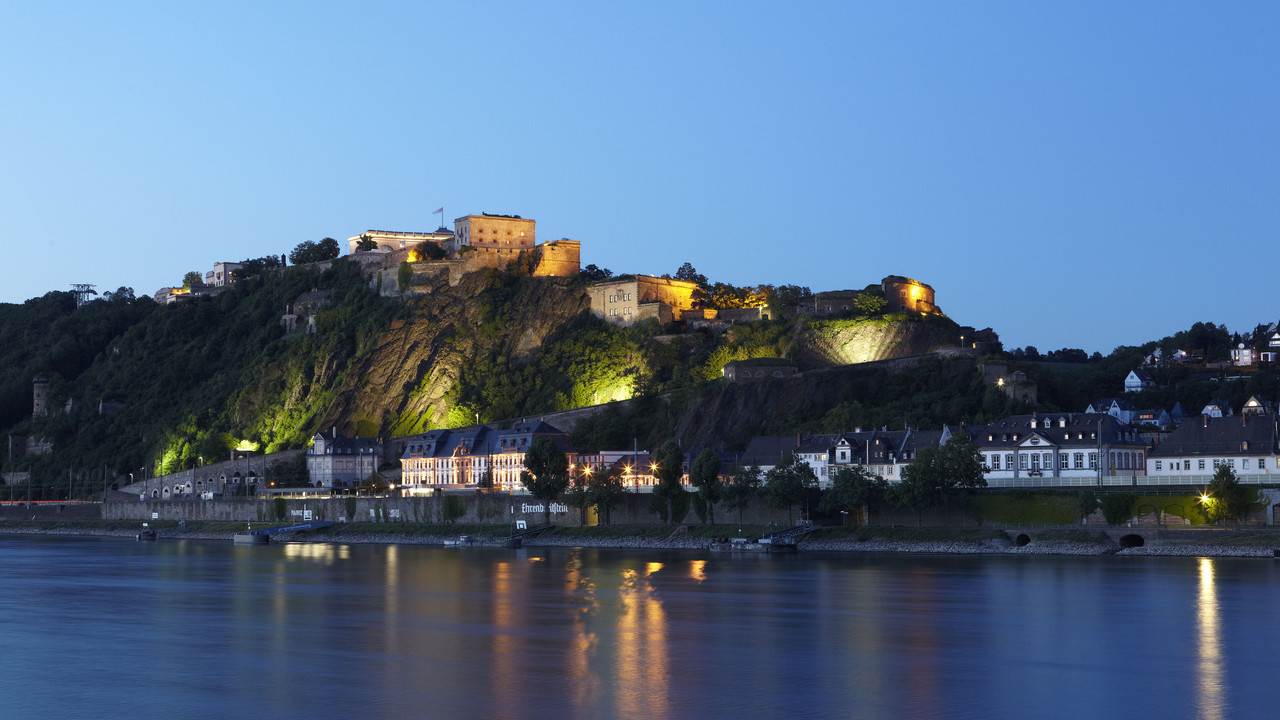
136,385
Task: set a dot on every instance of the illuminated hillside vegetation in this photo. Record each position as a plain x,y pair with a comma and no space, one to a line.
198,378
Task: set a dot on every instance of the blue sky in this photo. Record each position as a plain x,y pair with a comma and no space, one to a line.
1072,174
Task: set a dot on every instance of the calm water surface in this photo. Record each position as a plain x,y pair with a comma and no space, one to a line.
102,628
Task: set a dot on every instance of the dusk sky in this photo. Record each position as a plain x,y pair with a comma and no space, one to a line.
1072,174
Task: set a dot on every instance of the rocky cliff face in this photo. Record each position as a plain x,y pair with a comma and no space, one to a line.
403,384
730,417
827,343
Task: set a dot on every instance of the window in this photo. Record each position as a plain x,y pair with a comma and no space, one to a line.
1062,461
1035,462
1158,467
1022,462
1244,464
1008,461
1093,461
1200,464
995,461
1231,463
1262,464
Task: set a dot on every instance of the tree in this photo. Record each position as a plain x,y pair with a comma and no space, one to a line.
192,278
1086,503
788,484
784,299
546,472
867,303
939,475
701,294
852,489
366,243
578,496
256,266
1225,498
1117,508
744,485
121,295
605,490
404,276
704,474
309,252
668,470
452,508
591,273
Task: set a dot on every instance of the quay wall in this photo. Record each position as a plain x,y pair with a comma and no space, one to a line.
476,508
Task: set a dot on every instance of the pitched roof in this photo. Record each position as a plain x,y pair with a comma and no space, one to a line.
769,449
1243,435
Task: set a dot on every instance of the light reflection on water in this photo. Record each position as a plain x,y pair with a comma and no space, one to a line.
191,629
1210,684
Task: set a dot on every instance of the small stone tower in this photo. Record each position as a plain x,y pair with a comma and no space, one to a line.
39,396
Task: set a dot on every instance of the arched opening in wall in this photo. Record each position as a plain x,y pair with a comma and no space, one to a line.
155,493
188,488
252,479
1131,541
1022,539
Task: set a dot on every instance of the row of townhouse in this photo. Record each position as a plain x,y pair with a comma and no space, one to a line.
460,458
1054,450
1040,450
883,452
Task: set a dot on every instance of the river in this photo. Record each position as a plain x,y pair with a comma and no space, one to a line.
105,628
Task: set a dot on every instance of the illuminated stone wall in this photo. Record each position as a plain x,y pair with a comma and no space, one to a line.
494,231
559,258
623,301
903,294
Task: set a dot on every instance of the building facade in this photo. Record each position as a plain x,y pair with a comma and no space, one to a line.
336,462
1060,450
472,457
494,231
641,297
1192,454
903,294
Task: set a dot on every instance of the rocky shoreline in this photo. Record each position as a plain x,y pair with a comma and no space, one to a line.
697,544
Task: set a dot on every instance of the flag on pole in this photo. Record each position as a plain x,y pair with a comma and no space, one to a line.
438,212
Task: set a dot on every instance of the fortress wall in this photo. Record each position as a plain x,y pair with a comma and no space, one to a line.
559,258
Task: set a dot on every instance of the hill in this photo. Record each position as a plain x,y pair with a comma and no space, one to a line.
133,384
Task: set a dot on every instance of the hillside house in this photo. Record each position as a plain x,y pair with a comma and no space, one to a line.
1138,380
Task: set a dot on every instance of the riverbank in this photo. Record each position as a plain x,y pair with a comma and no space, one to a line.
935,541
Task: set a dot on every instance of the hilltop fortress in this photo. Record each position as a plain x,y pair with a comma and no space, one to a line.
476,242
